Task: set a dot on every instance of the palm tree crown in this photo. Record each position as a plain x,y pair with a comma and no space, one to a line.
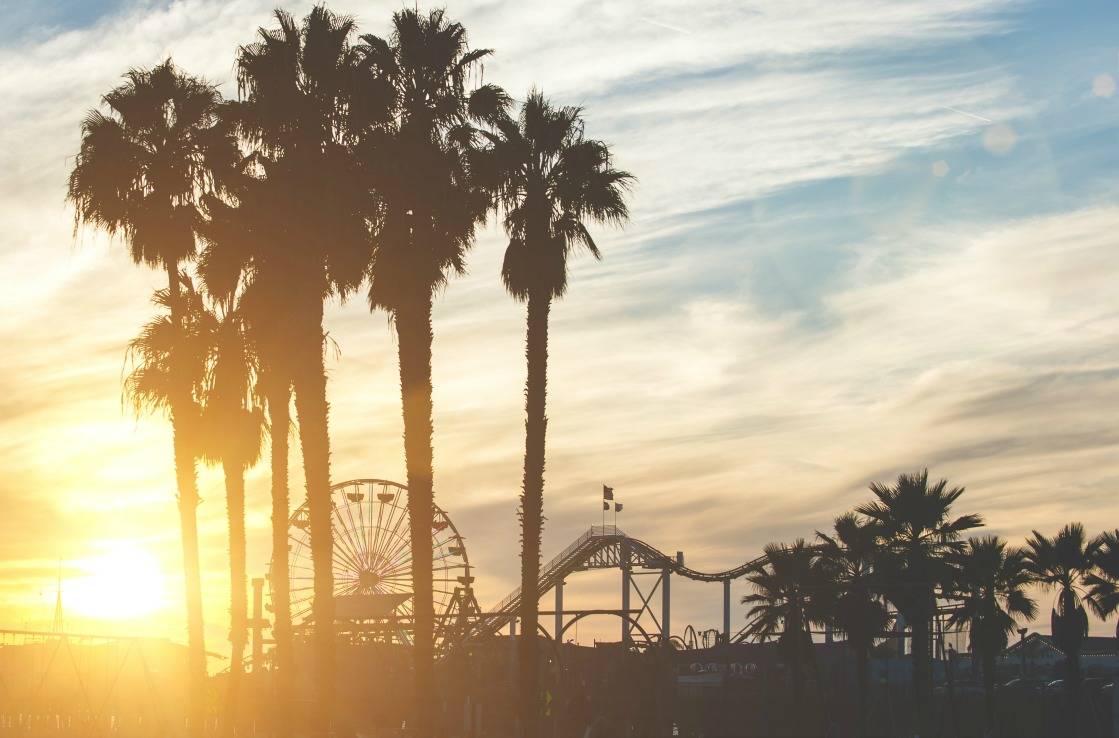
783,593
418,154
913,520
991,583
1064,562
311,211
1103,583
143,167
846,563
150,385
550,180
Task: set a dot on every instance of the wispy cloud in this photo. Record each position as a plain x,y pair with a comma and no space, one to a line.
768,139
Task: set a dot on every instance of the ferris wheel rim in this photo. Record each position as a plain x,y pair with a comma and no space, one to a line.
452,544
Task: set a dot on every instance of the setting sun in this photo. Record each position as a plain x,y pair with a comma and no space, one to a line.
123,583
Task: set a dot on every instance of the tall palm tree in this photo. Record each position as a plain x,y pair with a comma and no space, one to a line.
915,526
549,180
140,173
416,160
782,605
1064,562
296,85
849,599
233,426
241,235
990,582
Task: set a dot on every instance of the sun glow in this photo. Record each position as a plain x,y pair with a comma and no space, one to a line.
123,583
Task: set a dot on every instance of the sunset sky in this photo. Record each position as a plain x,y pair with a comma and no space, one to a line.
868,236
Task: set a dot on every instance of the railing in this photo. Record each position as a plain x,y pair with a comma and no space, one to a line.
557,563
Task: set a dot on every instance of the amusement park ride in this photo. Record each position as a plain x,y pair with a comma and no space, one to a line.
373,581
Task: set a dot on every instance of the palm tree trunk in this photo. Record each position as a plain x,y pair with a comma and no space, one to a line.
862,674
413,326
187,484
238,596
921,681
532,509
989,659
279,397
312,409
188,525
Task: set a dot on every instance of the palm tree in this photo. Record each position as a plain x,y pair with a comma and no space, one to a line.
782,605
549,180
241,235
849,599
917,531
990,582
140,173
233,425
296,81
1103,583
416,159
1064,562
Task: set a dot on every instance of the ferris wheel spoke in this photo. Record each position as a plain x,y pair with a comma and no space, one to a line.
350,533
369,530
340,552
401,563
380,526
404,570
354,534
396,511
345,541
359,530
392,535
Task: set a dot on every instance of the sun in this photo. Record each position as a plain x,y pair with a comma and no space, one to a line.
124,583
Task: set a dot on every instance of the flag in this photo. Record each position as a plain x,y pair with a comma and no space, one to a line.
605,505
607,492
617,507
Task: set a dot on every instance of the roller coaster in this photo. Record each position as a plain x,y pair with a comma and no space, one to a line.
608,547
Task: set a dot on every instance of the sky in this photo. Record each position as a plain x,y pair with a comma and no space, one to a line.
867,237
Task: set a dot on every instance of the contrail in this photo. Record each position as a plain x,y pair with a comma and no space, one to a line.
652,22
970,115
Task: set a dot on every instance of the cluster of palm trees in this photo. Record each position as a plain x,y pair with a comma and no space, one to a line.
902,556
344,163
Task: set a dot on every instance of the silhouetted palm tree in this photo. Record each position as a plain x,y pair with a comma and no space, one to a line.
782,603
914,523
296,81
140,172
242,240
417,162
990,583
1064,563
232,435
1103,583
550,181
849,598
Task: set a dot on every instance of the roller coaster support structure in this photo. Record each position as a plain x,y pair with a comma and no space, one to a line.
610,548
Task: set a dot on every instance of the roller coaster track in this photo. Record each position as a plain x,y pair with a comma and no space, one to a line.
603,547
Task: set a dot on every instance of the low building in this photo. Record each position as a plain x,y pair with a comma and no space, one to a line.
1038,656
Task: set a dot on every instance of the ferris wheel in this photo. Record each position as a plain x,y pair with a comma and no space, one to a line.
373,558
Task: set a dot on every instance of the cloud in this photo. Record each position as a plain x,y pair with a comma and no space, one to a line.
769,334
